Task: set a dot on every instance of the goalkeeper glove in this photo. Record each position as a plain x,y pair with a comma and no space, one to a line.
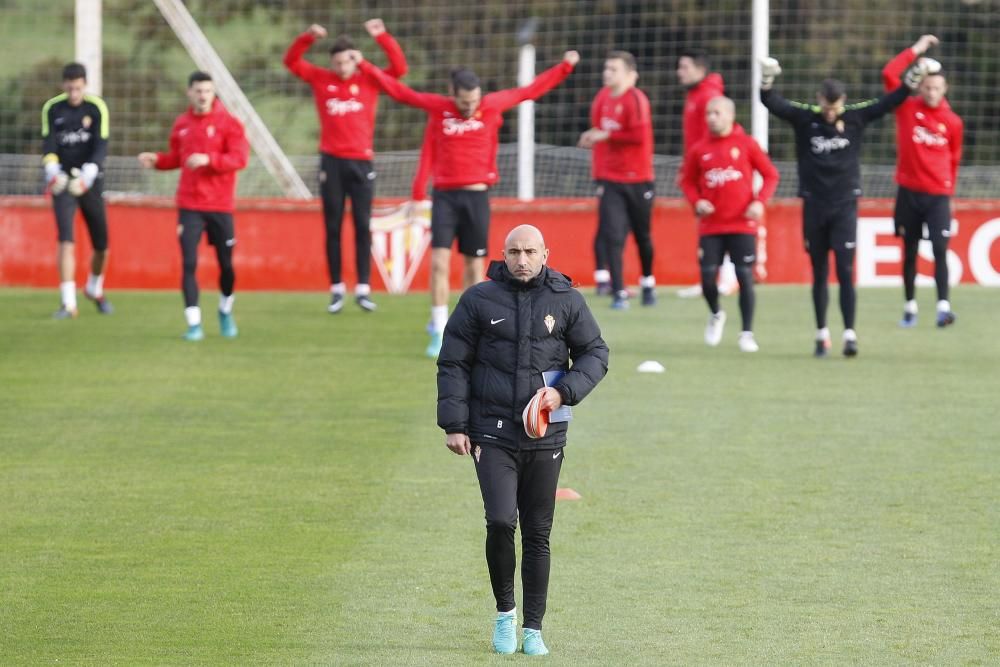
83,179
922,68
55,178
769,69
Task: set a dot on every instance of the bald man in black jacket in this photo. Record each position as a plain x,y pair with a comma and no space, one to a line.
526,320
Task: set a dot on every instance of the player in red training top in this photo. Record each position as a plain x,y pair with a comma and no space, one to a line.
345,101
717,179
621,136
701,84
463,165
209,146
928,150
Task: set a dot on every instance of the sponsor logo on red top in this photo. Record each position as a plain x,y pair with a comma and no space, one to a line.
343,107
456,126
921,135
717,177
610,124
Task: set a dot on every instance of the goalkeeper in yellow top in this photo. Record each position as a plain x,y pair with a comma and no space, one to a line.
75,144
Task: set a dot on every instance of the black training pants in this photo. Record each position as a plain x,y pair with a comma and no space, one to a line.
340,178
220,230
518,485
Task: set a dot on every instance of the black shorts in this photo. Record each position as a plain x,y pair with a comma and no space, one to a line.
217,226
624,207
464,214
742,249
914,209
91,204
829,225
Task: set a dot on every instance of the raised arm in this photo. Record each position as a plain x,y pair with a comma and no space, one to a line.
543,83
792,112
872,110
892,73
393,51
401,92
294,60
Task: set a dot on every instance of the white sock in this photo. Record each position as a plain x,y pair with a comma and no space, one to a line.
439,318
910,307
226,303
339,288
95,285
823,334
944,306
67,292
512,612
849,334
362,289
647,281
193,316
602,276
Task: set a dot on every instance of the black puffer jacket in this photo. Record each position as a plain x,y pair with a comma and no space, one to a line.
503,334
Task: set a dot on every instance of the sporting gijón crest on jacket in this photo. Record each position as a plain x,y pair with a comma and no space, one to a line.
503,335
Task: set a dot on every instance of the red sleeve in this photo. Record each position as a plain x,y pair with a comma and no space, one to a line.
403,93
637,123
394,52
769,173
172,158
956,150
893,71
294,61
689,177
236,152
423,175
543,83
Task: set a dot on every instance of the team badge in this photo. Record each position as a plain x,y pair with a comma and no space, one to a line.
477,452
618,109
479,115
400,238
354,89
210,131
86,122
734,152
840,126
941,127
550,323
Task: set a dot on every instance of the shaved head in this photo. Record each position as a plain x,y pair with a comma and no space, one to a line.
524,252
720,114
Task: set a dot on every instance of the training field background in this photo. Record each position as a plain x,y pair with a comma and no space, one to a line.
286,498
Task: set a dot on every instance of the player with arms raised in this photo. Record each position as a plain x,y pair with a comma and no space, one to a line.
828,147
464,127
346,99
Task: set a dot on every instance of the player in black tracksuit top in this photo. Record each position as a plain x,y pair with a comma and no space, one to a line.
504,333
74,147
828,147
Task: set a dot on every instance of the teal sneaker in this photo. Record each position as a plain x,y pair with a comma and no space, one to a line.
434,347
505,633
533,644
227,325
194,333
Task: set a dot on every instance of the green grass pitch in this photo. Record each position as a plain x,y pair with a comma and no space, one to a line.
286,498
